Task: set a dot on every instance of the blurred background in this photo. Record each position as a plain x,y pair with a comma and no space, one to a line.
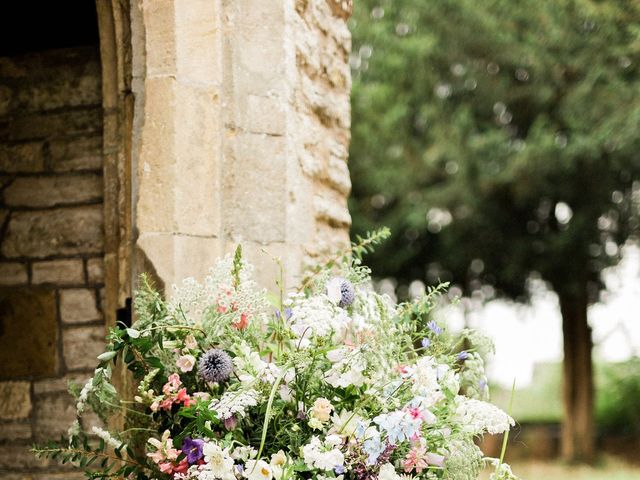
500,142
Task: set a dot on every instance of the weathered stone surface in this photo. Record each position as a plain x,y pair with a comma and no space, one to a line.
58,272
54,190
81,346
58,385
78,305
17,456
76,154
52,415
15,431
65,231
15,400
83,121
53,79
95,270
28,319
21,158
13,273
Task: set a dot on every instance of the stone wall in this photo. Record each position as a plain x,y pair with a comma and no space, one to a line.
246,144
51,245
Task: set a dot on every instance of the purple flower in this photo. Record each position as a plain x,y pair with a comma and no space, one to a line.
341,291
426,343
463,355
433,326
339,469
192,448
215,366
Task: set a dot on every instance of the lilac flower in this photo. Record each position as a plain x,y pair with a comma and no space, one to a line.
192,448
426,343
339,469
463,355
434,327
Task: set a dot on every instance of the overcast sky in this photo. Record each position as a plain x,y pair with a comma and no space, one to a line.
526,335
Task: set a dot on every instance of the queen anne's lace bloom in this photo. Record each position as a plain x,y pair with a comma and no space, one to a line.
234,403
476,417
317,317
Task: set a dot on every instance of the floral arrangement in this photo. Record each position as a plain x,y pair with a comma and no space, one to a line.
332,382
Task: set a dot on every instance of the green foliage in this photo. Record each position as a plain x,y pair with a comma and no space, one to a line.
617,406
497,138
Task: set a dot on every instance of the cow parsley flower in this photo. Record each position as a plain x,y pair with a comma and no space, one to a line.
234,403
476,417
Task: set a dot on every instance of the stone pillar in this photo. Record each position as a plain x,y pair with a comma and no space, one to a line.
241,132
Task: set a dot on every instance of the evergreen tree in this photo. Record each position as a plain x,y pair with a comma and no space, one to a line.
501,140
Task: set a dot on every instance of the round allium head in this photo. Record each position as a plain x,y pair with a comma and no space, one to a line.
215,365
341,291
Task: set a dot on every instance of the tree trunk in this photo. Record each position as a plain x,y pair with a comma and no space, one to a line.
578,439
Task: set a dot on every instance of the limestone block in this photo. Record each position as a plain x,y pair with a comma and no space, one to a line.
338,175
196,184
255,203
15,431
198,38
156,167
159,21
28,319
175,257
13,273
52,415
78,305
95,270
58,385
85,121
54,190
58,272
17,456
81,346
82,153
15,400
65,231
332,211
21,157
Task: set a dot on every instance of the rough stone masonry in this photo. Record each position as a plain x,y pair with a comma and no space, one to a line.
190,126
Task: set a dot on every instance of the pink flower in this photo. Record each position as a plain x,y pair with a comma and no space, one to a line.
172,384
166,467
242,323
190,342
415,460
182,397
186,363
166,404
182,467
434,459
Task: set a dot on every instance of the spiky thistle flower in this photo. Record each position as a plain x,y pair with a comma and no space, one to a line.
215,366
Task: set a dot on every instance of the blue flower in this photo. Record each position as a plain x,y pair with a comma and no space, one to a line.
339,469
426,343
398,426
434,327
373,447
463,355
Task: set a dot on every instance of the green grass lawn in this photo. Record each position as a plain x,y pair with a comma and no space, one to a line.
608,470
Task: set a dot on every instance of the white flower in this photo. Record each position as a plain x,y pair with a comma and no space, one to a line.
345,424
190,342
234,403
249,366
278,461
321,409
107,437
348,367
186,362
244,453
257,470
323,455
424,375
218,461
388,472
476,417
317,316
